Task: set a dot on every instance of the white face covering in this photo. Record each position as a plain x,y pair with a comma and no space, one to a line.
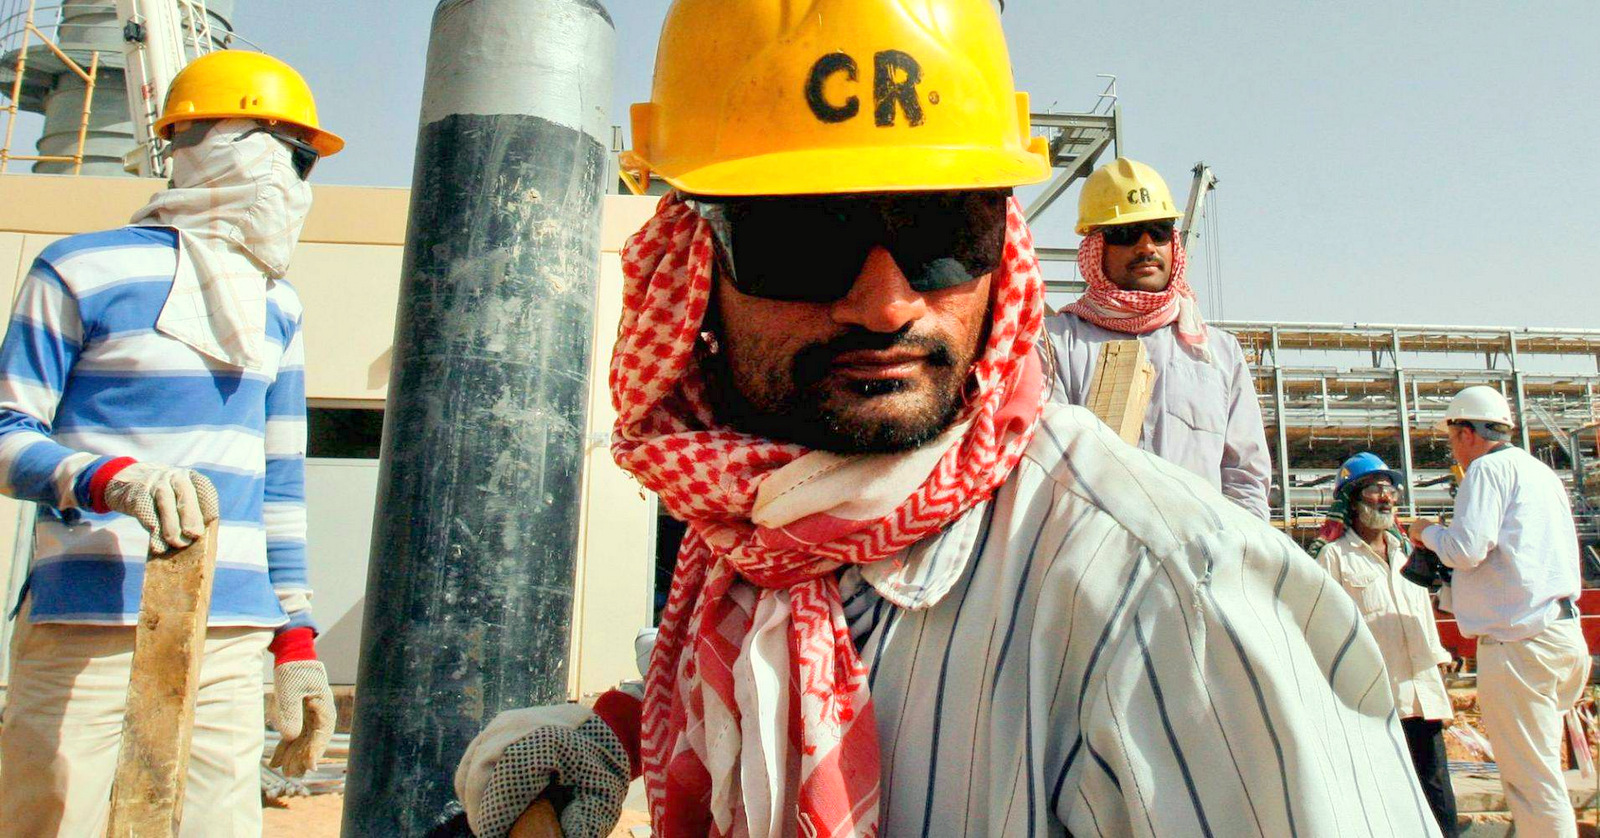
238,207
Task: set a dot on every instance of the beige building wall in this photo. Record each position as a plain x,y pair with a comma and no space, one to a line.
347,272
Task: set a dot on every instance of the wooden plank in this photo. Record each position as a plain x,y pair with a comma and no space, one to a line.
540,821
1120,391
153,765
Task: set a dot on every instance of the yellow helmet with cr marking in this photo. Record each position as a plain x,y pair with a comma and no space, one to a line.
1124,192
777,97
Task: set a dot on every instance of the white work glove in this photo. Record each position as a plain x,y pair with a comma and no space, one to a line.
512,763
173,504
306,715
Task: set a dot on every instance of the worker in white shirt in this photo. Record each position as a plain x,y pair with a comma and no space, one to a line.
1367,561
1514,551
1203,414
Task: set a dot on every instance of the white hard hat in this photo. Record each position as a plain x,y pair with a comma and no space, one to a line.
1479,403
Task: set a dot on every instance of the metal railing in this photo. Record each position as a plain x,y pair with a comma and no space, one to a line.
26,32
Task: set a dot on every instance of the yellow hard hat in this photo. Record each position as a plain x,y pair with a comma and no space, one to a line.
229,84
777,97
1124,192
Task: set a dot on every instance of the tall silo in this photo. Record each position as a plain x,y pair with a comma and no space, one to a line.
50,88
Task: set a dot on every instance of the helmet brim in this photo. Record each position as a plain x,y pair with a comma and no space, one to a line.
855,170
1131,218
326,143
1395,477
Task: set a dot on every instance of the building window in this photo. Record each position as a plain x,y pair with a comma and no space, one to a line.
669,535
344,433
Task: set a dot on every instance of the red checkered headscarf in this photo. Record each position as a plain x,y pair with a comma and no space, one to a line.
739,583
1139,312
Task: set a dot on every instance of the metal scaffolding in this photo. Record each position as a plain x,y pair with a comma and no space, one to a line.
1392,397
88,126
1077,142
23,27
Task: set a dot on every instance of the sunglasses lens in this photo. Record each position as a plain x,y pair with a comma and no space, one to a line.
812,249
1120,235
791,250
305,159
941,241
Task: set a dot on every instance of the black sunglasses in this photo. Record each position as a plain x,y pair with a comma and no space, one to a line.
302,154
1123,235
812,248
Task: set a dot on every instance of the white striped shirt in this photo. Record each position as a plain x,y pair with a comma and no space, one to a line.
1110,647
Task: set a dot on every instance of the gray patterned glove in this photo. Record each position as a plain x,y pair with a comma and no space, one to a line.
172,504
306,715
514,761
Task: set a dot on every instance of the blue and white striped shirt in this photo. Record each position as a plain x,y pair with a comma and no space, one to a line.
85,378
1110,647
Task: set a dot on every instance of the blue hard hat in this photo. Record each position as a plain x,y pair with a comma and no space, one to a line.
1362,465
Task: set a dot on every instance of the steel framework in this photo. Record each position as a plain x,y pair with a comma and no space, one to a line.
1398,391
26,29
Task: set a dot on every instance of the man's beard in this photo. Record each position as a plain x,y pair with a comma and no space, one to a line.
1372,518
794,405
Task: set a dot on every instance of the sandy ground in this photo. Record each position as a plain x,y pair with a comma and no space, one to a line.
304,817
319,816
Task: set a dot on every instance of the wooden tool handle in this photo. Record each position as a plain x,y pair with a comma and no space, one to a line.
153,762
539,821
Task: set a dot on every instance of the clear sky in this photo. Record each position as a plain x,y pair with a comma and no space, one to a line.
1425,162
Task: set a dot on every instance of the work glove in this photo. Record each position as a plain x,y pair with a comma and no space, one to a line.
515,760
306,715
172,504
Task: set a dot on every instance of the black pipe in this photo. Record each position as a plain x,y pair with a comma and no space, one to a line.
470,588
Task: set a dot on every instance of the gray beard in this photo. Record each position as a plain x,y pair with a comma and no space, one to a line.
1372,519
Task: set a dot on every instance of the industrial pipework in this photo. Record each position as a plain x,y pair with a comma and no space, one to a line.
469,594
101,128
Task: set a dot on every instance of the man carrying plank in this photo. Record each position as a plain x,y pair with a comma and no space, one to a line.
916,597
142,367
1203,414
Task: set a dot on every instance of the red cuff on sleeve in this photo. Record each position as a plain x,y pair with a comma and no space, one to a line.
621,713
293,645
102,476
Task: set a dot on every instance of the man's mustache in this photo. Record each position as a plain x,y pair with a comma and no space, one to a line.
813,363
1146,260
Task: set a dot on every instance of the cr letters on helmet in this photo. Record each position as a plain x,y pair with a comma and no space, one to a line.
1124,192
769,97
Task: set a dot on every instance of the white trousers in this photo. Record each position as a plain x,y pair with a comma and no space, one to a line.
63,726
1524,689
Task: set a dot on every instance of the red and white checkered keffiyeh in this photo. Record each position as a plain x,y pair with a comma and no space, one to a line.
1139,312
756,706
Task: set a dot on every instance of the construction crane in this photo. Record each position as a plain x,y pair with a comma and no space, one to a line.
153,44
158,38
64,75
1204,182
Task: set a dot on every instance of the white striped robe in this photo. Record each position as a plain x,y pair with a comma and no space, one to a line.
1110,647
